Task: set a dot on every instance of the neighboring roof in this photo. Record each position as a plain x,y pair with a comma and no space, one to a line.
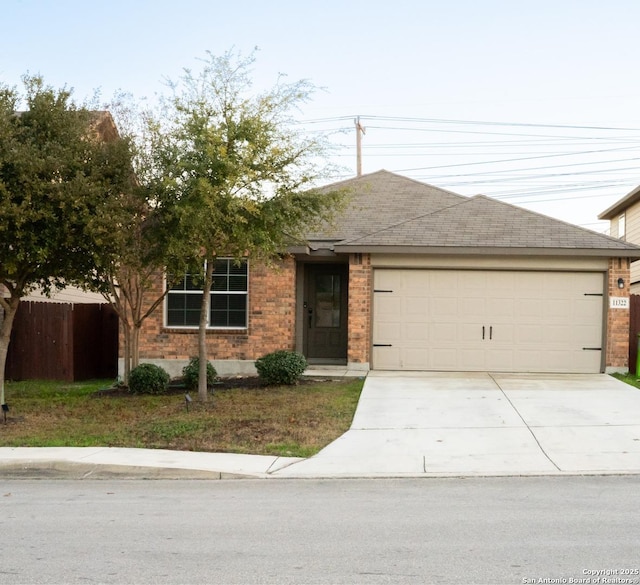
390,213
101,120
619,206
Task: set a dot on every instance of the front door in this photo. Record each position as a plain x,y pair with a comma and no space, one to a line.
325,312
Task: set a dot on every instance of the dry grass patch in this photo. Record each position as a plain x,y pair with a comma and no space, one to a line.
241,417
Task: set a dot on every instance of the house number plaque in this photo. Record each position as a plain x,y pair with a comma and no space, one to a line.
619,302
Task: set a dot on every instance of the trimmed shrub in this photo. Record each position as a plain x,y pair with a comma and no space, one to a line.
191,371
148,379
281,367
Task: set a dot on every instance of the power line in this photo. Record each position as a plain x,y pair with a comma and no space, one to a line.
495,150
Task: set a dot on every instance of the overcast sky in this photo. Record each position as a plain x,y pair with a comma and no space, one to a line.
532,102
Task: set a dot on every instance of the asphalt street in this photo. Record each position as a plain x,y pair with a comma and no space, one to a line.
568,529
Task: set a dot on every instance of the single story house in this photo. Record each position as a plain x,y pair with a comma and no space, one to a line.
413,277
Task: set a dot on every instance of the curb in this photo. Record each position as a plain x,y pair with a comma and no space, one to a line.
70,470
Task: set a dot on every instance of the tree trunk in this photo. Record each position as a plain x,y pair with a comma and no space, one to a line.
10,307
135,345
203,393
126,334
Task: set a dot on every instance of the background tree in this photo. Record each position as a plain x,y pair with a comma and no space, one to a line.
59,167
240,168
137,236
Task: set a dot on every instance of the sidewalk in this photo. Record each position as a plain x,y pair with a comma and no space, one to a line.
103,462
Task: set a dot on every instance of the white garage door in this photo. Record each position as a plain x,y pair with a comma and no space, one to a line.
467,320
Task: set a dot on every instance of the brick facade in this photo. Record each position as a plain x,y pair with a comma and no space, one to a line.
360,274
272,312
617,334
271,322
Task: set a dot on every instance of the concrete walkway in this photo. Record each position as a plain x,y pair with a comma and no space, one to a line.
99,462
415,425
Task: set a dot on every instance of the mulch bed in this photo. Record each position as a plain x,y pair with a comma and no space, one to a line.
177,386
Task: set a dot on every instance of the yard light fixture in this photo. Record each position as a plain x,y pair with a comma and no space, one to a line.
620,282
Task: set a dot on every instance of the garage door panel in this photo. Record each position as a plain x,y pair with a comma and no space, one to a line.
387,306
443,359
388,358
414,358
499,359
533,321
439,333
527,308
416,333
556,309
532,335
443,309
501,285
587,361
587,309
503,310
416,309
588,335
471,307
388,332
470,280
442,284
501,333
472,359
468,333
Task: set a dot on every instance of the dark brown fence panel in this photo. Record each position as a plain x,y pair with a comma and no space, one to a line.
56,341
39,346
634,329
95,342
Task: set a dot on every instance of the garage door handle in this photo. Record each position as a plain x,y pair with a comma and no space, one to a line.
491,332
483,332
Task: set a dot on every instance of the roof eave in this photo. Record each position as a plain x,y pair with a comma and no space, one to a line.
619,206
633,254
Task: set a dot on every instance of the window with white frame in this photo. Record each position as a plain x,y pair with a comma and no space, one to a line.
229,294
622,225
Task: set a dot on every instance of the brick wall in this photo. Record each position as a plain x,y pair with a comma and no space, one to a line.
617,351
359,308
271,322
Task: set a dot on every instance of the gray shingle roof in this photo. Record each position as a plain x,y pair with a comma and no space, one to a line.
386,211
379,200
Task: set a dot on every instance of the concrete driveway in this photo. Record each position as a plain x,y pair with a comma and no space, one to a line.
422,424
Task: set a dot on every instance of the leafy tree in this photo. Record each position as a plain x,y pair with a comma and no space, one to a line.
60,165
137,236
240,169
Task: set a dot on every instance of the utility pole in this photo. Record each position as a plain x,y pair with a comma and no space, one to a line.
359,133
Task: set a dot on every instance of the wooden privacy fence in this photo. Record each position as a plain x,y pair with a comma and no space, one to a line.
63,341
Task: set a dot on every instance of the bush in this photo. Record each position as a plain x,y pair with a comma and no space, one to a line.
281,367
190,373
148,379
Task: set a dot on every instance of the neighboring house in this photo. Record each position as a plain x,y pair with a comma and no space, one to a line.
624,223
413,277
69,294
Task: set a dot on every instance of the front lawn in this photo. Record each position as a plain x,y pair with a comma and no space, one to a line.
292,421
